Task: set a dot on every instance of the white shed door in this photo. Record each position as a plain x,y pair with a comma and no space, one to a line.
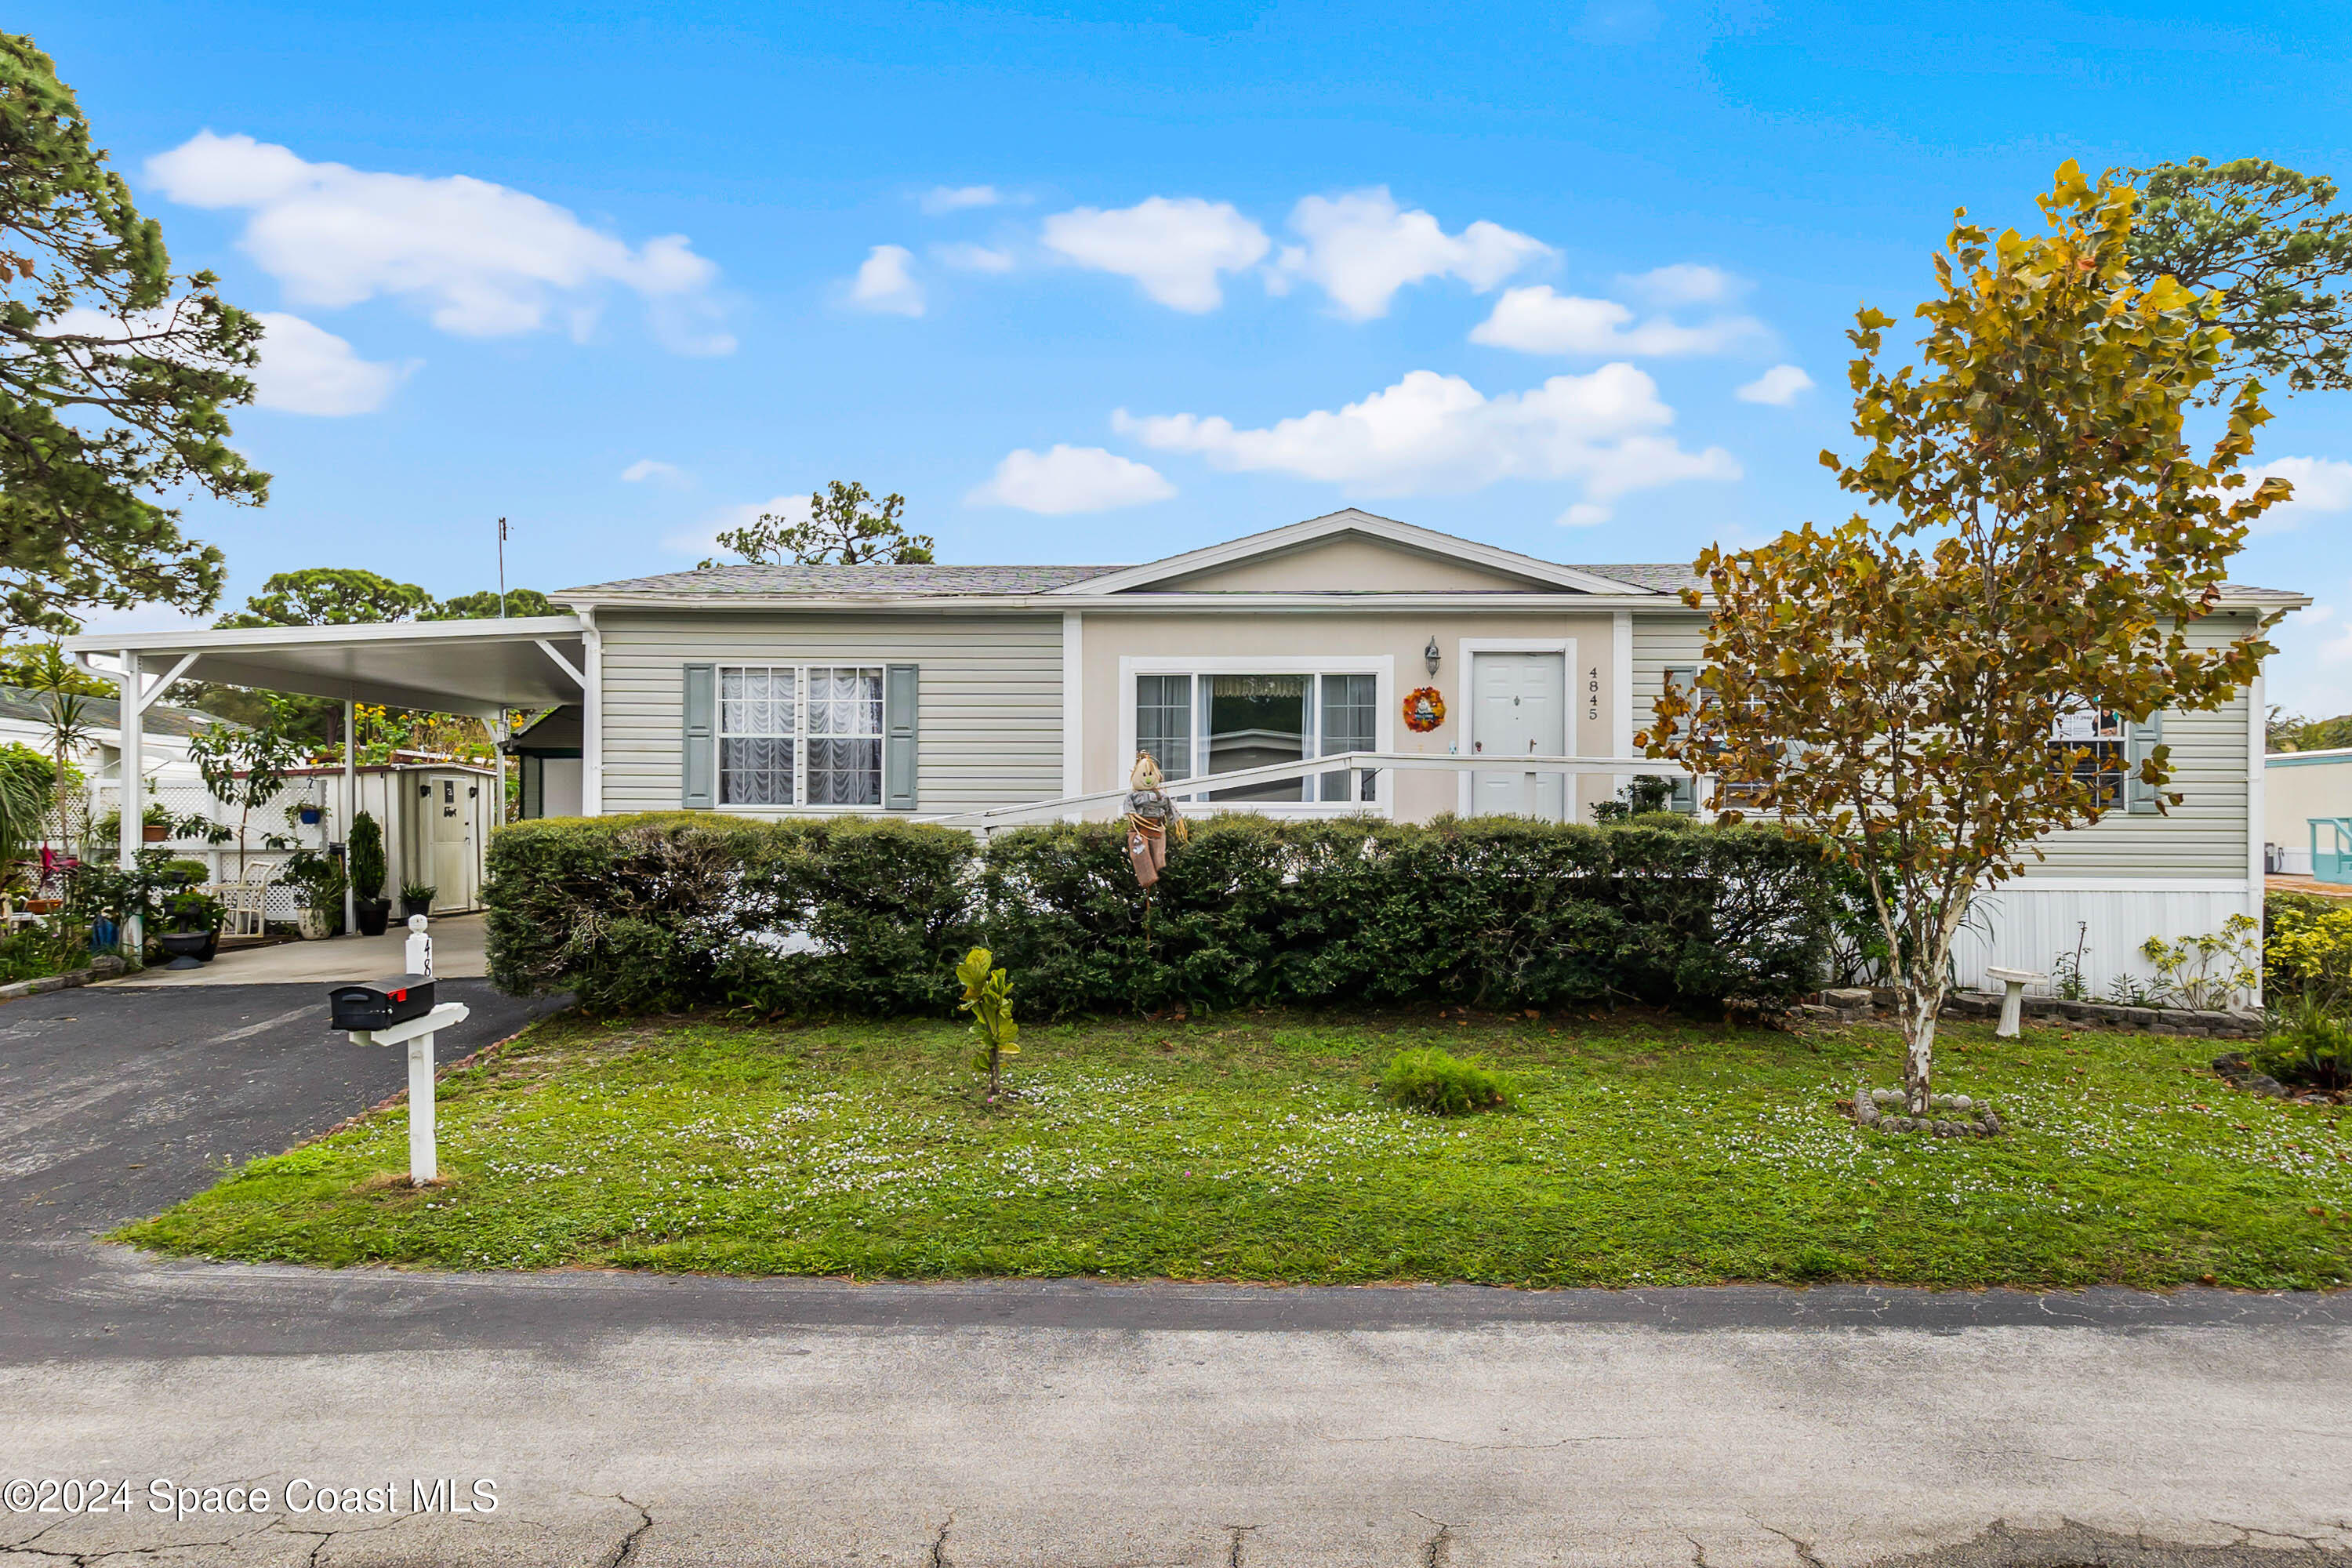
450,814
1521,710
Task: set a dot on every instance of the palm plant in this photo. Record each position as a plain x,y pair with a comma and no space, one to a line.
70,727
46,669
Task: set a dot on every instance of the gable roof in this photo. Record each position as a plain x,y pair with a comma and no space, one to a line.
762,586
1363,524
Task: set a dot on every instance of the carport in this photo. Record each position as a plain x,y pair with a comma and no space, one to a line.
479,669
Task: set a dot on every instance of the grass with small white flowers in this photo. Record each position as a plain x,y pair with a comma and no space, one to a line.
1643,1151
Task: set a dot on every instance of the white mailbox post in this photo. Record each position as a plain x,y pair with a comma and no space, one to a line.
417,1034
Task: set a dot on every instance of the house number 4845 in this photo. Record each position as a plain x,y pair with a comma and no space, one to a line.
1592,692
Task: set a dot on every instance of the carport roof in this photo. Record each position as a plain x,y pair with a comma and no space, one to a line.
451,667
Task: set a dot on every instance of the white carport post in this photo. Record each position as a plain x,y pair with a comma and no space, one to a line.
131,798
350,811
130,808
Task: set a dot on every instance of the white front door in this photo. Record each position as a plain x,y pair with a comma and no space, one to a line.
1520,709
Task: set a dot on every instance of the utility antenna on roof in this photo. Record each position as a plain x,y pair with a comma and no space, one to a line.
502,569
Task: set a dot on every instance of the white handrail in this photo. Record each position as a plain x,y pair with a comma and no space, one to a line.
1351,763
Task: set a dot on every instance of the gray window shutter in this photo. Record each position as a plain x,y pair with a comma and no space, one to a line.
898,693
1685,798
2140,799
700,753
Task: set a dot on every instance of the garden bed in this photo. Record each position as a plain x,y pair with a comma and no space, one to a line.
1646,1152
1856,1004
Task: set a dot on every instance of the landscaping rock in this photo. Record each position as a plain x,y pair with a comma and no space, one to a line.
2263,1084
1846,996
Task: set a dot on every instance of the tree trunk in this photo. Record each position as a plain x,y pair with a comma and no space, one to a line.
1920,1006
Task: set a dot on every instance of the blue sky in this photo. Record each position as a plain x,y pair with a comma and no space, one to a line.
1099,283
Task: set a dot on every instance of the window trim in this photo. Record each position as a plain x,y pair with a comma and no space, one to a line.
1381,666
800,669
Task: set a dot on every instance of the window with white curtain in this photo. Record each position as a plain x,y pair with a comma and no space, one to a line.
799,736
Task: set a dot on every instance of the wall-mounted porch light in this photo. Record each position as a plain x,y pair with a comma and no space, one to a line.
1430,656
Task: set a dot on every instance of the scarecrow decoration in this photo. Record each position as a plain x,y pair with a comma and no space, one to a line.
1424,710
1152,819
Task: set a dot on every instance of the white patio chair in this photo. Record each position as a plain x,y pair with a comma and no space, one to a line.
247,900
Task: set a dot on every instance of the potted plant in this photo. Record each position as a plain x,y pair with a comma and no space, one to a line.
155,825
368,902
196,919
319,878
416,898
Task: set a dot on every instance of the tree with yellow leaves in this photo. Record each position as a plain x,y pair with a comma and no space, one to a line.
2045,540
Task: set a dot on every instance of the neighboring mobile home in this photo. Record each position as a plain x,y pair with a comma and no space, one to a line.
942,691
2307,812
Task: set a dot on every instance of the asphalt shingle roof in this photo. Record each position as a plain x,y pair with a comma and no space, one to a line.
948,581
718,582
105,713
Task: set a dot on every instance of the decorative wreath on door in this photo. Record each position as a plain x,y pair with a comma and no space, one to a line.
1424,710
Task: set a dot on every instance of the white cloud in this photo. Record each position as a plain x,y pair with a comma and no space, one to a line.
2320,485
1175,250
1685,283
1583,514
304,368
885,284
1536,321
1438,433
957,198
968,257
1070,478
702,539
480,259
2306,674
1361,249
649,468
1777,387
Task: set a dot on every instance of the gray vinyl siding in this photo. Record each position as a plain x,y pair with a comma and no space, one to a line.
989,705
1662,642
2203,837
2206,834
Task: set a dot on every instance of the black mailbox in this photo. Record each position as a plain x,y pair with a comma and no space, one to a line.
381,1003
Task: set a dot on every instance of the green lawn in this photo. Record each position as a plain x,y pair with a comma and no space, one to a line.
1252,1147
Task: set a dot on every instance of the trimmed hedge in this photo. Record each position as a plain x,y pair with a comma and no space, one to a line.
861,916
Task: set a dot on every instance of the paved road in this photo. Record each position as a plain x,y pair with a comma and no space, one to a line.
626,1419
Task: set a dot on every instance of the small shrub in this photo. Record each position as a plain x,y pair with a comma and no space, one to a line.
1442,1085
2208,971
2307,945
2309,1043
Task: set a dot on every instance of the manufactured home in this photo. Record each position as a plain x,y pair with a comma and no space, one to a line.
1452,676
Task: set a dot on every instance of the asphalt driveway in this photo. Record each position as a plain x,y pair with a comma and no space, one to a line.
119,1101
